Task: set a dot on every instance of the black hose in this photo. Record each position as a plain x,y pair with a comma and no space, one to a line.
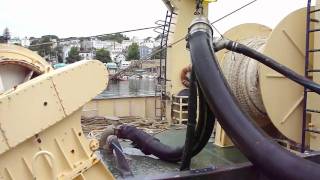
205,125
151,145
263,152
242,49
122,163
191,126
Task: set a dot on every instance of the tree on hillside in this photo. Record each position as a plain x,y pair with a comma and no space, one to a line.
2,39
103,55
160,55
59,53
6,35
73,55
133,52
44,45
114,37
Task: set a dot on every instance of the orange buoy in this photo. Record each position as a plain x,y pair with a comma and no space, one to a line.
184,75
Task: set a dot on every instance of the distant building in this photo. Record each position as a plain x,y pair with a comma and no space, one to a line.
93,43
126,43
124,64
25,42
157,42
148,42
119,58
14,40
98,44
86,55
75,42
86,44
117,48
137,40
65,53
145,51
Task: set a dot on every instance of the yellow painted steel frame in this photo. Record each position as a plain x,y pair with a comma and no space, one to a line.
41,135
25,57
178,55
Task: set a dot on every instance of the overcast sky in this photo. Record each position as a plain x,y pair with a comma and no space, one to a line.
66,18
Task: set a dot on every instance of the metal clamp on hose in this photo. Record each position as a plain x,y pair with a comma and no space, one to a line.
201,23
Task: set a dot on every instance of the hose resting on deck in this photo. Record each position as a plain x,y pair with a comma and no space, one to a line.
263,152
151,145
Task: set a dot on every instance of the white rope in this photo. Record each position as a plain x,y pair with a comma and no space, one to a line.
242,74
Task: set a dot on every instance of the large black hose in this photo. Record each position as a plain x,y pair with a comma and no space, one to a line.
271,158
191,126
151,145
205,125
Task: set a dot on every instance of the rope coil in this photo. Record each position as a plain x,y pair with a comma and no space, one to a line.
242,75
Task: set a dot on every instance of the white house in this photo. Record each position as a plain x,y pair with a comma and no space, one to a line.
117,48
14,40
144,51
86,55
148,42
70,42
119,58
124,64
126,43
66,50
157,42
98,44
25,42
137,40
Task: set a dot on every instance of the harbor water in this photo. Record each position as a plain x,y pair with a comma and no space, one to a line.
129,88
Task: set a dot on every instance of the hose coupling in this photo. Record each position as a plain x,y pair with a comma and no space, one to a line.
201,23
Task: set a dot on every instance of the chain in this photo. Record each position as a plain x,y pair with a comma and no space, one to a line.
199,7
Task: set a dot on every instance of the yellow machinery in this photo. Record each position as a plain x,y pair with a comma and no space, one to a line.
40,131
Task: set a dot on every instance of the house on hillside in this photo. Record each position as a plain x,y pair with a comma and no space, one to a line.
119,58
144,51
87,55
124,64
14,40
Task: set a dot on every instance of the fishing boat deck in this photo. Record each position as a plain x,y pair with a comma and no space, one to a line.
210,156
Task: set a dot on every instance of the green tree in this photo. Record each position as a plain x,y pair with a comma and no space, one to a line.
2,39
160,55
6,35
133,52
103,55
73,55
114,37
59,53
44,45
